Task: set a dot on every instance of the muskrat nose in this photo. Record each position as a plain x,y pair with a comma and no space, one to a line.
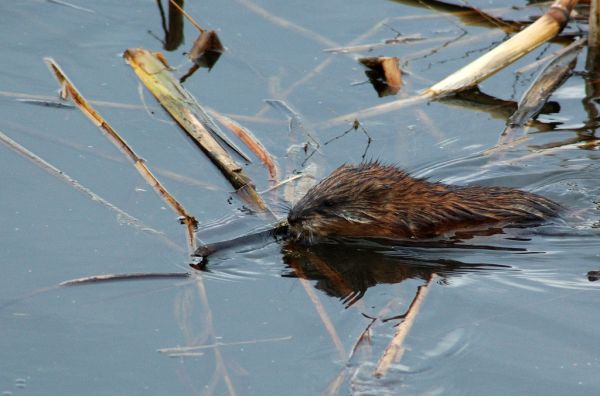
293,217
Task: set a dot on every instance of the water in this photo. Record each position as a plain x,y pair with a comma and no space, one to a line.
508,313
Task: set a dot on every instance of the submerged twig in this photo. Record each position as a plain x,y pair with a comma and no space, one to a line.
186,349
124,277
370,47
123,216
69,90
395,350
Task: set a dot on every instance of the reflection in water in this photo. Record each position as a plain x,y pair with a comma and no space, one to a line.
174,27
347,270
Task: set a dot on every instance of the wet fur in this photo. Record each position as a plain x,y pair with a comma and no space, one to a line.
374,200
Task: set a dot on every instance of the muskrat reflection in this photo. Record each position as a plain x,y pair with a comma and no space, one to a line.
347,271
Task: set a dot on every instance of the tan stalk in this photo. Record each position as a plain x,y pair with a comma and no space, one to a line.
251,142
594,24
395,350
542,30
71,92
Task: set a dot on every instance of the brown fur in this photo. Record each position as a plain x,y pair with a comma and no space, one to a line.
374,200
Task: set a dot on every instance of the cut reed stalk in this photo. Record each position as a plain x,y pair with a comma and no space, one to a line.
542,30
69,91
395,350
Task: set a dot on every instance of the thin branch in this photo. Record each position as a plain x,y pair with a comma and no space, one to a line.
251,142
69,90
395,350
188,16
123,216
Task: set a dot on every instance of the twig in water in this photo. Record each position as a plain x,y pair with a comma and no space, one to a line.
124,277
251,142
169,351
122,216
395,350
69,90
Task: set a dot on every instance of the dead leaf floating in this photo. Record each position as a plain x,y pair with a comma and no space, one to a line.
384,73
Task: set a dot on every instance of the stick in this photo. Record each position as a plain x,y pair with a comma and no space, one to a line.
125,217
70,91
594,24
251,142
395,350
188,17
124,277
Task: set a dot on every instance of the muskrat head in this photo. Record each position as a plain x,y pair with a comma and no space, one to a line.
346,203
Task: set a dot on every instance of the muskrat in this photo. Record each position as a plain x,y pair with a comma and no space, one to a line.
382,201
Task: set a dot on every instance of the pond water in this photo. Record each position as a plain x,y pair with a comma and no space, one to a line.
511,313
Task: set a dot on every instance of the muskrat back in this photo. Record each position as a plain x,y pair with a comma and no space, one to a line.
374,200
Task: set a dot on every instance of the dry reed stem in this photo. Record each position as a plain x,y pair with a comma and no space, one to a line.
70,91
376,110
171,175
329,326
51,100
321,311
251,142
169,351
124,277
545,28
373,46
594,24
323,65
182,106
125,217
220,368
284,23
542,30
187,16
395,350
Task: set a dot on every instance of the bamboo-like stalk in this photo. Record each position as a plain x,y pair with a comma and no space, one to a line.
70,91
395,349
188,16
542,30
251,142
181,105
594,24
124,277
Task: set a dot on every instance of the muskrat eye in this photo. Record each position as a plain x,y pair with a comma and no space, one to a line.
328,202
